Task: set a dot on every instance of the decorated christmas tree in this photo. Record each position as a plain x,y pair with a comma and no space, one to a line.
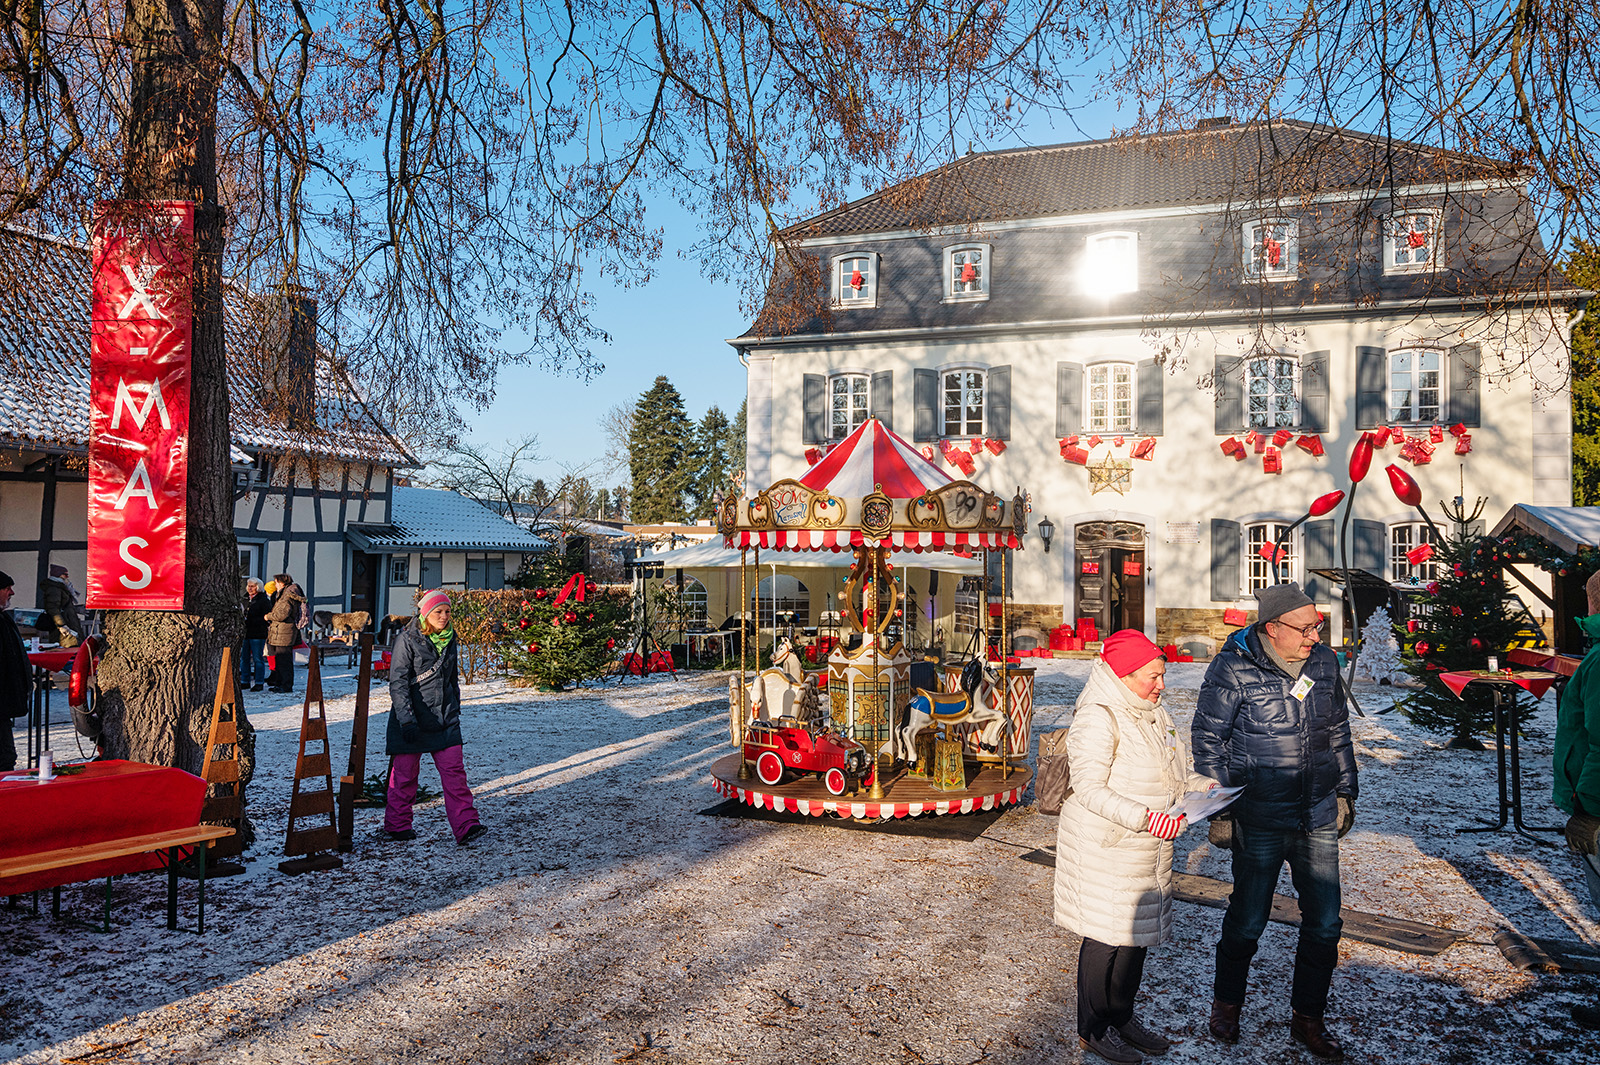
1380,653
568,628
1466,618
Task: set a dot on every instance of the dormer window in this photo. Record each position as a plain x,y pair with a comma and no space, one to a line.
855,281
1110,264
1272,250
966,273
1410,241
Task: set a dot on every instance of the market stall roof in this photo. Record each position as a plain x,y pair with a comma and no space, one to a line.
871,488
712,555
1564,528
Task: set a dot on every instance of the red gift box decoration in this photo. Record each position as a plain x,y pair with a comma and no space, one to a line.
994,446
1380,438
813,456
856,280
1282,437
1272,553
975,445
1415,239
1074,453
1255,440
1436,434
1272,461
1117,441
1311,444
1458,430
1464,444
1235,616
1145,449
1232,446
1094,441
1417,452
1419,554
1397,434
927,452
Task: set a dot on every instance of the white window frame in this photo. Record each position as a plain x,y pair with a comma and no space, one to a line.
983,401
797,598
250,559
1256,570
694,601
843,268
1103,278
1414,415
1107,422
1394,250
1271,423
850,378
955,257
1289,268
404,575
1403,536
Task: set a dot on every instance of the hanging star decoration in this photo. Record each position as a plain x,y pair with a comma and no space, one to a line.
1111,475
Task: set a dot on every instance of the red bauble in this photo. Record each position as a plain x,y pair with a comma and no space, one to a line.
589,616
569,617
1422,647
611,644
1476,643
540,593
1405,489
1325,504
525,623
525,604
533,648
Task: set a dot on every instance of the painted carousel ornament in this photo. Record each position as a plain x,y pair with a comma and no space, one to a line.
870,494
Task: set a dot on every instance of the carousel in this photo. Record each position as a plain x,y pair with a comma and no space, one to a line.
878,734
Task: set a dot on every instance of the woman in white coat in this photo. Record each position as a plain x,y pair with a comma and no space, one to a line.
1128,766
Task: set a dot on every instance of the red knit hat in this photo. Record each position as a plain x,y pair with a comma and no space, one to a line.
1127,650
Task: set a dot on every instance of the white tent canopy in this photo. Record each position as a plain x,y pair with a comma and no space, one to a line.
712,555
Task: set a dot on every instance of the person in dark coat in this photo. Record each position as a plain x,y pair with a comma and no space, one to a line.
16,675
425,718
60,621
1576,784
1272,716
283,632
256,605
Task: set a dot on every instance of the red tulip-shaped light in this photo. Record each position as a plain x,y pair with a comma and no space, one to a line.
1405,489
1325,504
1361,458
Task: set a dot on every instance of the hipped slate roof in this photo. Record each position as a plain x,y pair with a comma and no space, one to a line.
1283,159
44,366
436,519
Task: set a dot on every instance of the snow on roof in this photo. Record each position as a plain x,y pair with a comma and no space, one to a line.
441,519
1567,528
44,366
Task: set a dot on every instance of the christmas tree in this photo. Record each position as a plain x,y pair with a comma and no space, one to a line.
1466,618
567,629
1380,653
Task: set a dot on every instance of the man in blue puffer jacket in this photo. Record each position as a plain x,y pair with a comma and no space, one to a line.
1272,716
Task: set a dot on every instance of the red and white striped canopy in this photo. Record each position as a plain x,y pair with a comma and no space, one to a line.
873,456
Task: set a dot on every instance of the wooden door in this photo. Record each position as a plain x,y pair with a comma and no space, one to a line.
364,582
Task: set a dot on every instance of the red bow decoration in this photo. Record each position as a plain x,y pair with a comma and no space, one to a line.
575,587
1274,249
856,280
969,274
1415,239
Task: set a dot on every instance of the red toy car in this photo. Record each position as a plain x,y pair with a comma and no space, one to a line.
777,750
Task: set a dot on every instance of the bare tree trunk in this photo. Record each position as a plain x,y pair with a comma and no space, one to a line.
160,672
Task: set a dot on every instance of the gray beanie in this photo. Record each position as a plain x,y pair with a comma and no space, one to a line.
1278,600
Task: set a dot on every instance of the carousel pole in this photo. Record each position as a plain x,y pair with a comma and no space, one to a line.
879,556
744,641
1005,681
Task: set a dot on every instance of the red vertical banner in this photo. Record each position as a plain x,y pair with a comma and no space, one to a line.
139,365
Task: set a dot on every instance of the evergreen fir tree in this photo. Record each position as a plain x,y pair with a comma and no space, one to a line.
619,502
1469,618
657,447
602,504
710,462
736,444
1584,269
556,644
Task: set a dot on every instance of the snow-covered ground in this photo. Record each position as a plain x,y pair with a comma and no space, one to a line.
607,919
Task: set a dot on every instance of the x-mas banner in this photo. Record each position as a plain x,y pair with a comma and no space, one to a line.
139,365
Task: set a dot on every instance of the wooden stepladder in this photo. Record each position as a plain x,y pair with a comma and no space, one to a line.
353,783
315,841
223,802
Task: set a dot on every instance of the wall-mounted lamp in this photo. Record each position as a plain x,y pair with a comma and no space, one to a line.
1047,531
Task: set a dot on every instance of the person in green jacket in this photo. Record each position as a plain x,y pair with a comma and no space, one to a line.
1577,764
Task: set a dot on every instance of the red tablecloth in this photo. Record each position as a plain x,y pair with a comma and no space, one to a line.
54,661
1535,683
105,801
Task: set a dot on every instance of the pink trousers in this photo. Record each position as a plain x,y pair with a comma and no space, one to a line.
458,805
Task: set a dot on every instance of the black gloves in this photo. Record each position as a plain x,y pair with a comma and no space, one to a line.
411,732
1221,832
1347,815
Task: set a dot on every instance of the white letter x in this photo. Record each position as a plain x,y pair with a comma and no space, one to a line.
147,272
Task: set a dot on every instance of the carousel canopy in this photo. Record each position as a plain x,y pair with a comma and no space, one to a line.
715,556
872,488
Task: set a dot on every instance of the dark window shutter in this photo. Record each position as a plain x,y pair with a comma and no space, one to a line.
1225,583
1318,555
997,403
1371,548
1150,381
814,395
1227,379
1372,387
1069,398
1314,392
881,401
1466,365
925,401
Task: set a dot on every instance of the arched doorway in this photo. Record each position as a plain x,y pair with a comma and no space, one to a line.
1110,574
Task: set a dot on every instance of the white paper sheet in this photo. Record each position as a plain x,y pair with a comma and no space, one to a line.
1198,804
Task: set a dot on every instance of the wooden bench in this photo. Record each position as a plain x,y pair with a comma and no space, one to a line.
170,841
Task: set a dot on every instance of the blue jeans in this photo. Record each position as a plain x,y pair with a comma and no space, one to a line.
1258,856
255,662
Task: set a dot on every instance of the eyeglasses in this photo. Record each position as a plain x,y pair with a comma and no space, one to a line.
1307,631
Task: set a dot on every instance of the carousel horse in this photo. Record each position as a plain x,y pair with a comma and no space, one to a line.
978,703
783,689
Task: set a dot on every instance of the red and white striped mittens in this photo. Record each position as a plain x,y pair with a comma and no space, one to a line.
1165,826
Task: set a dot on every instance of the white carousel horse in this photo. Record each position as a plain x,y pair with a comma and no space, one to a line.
978,703
783,690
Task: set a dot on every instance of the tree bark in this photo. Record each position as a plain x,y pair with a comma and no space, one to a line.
159,675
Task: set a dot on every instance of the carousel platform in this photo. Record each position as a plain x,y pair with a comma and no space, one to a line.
903,796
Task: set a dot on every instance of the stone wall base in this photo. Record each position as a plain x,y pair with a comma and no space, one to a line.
1204,628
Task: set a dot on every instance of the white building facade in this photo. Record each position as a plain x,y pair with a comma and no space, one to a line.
1106,324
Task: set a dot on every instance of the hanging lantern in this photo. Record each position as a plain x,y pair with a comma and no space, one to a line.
1361,458
1405,489
1325,504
